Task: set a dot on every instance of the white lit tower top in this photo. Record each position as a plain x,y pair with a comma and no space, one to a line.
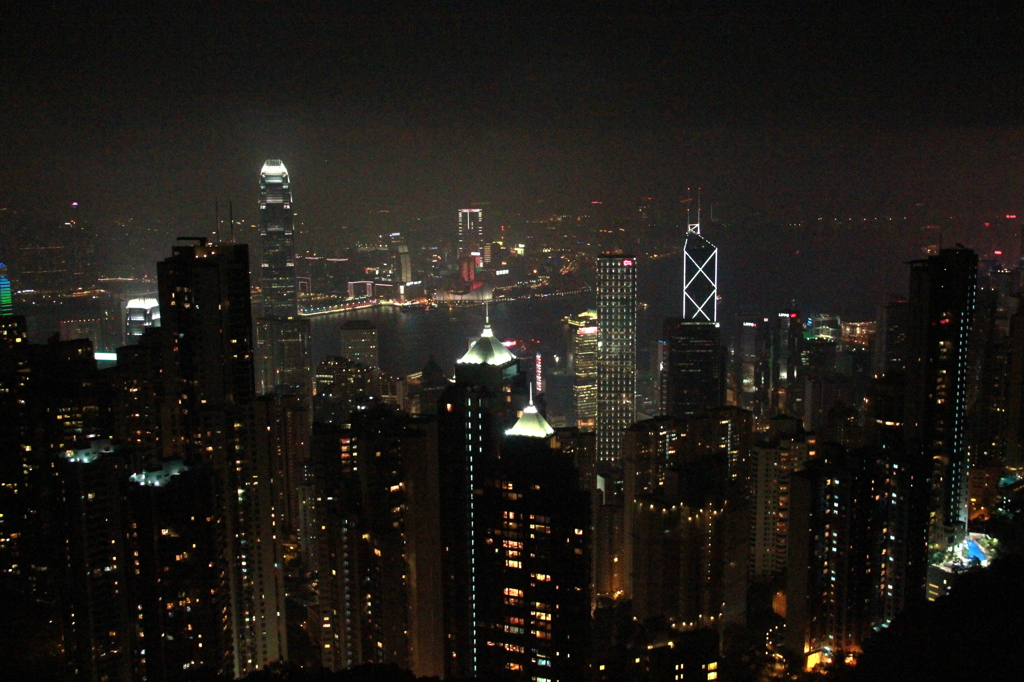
471,230
277,242
700,276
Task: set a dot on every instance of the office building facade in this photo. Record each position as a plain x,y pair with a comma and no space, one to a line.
616,352
277,242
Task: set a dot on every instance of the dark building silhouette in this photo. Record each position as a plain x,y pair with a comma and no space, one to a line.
942,306
694,373
101,641
209,379
472,415
848,552
377,543
533,559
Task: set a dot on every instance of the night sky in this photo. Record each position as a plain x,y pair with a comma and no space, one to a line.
790,112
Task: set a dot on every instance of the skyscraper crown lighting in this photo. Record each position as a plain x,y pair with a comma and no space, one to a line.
700,277
277,242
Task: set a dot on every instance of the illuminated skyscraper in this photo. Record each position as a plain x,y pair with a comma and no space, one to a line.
583,367
277,242
942,302
140,313
471,231
473,413
616,352
283,361
694,373
6,302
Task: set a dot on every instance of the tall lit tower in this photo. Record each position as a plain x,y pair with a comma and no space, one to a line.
277,241
942,302
700,277
471,230
283,362
693,376
6,305
583,364
616,352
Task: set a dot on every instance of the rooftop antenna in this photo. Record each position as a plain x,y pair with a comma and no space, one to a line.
531,392
216,218
231,219
693,228
487,314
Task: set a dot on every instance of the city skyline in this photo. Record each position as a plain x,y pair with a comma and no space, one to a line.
504,341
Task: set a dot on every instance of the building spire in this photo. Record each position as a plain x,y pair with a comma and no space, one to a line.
487,321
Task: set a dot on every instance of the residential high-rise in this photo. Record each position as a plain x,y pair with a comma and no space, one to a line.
207,322
277,242
616,352
848,562
179,596
942,302
377,543
582,364
204,302
471,232
781,451
101,631
533,560
359,342
472,414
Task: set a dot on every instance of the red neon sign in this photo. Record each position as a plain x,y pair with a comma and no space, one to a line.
627,262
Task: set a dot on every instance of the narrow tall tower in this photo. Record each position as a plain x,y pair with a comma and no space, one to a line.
693,376
700,277
616,352
277,242
942,301
283,362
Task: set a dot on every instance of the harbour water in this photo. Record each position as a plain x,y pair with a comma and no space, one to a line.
407,340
